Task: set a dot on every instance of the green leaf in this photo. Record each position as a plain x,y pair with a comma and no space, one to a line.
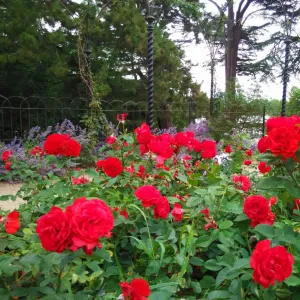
161,295
218,295
271,182
182,177
289,164
111,182
292,189
196,287
194,201
293,281
225,224
196,261
265,230
242,263
111,271
211,265
221,276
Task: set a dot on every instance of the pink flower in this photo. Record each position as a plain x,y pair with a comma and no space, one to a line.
177,212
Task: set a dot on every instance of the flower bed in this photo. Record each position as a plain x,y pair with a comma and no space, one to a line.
158,217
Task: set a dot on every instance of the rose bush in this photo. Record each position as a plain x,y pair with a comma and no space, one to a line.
172,222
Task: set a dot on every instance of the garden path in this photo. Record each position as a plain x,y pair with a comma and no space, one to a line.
10,189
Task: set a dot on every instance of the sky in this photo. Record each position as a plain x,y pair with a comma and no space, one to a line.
199,56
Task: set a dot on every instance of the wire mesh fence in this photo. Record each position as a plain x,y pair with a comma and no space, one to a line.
19,114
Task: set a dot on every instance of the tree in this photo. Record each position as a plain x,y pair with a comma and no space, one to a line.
293,106
236,34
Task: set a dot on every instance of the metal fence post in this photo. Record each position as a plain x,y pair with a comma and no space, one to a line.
150,20
285,75
264,121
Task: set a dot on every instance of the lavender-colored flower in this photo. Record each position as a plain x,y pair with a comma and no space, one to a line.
199,128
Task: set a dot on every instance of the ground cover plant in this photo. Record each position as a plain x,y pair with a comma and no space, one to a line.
158,217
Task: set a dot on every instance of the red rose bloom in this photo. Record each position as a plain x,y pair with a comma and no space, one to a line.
90,220
228,149
270,264
111,139
284,141
111,166
263,144
143,134
263,167
248,152
148,195
296,204
124,213
205,211
161,149
241,182
279,122
7,166
37,151
79,180
183,139
177,212
12,222
121,117
211,224
247,162
54,230
6,155
209,149
257,209
162,208
138,289
61,144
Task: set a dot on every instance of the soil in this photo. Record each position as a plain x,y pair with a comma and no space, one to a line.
10,189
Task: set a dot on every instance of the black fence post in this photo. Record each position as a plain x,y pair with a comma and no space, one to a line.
285,75
264,121
150,20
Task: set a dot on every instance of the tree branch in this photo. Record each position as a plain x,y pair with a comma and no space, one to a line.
252,13
238,13
245,8
216,5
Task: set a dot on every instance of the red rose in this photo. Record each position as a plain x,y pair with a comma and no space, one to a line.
61,144
209,149
211,224
279,122
263,167
124,213
90,220
247,162
177,212
162,149
248,152
79,180
257,209
37,151
111,166
241,182
143,134
121,117
12,222
263,144
205,212
54,230
143,149
7,166
184,139
148,194
141,172
228,149
162,208
284,141
111,140
296,204
138,289
270,264
6,155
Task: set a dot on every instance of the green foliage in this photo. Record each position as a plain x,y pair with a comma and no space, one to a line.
180,260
